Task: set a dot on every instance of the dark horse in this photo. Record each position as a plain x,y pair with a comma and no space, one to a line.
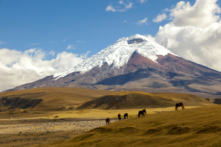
119,117
107,121
143,112
179,105
125,115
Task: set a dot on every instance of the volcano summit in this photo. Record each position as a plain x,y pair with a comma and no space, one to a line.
136,63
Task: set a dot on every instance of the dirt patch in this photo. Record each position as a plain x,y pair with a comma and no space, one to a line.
178,130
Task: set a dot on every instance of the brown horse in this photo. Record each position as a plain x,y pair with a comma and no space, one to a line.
143,112
119,117
108,121
179,105
125,115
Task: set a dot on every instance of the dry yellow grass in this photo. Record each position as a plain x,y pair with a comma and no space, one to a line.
103,114
198,127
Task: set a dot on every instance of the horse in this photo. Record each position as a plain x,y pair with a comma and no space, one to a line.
119,117
144,111
125,115
179,105
140,113
108,121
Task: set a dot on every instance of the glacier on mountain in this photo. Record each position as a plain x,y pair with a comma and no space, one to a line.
119,54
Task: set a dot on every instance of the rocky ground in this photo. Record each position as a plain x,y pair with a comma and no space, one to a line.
29,132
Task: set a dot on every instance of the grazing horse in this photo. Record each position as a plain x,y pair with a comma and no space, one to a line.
140,113
119,117
125,115
179,105
144,111
108,121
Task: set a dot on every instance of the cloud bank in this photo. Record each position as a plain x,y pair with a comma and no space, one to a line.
17,68
194,32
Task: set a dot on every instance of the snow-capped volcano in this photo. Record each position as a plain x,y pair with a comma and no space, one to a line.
136,63
119,54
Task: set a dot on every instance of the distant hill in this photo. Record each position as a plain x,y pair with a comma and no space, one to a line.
66,98
214,100
127,100
52,98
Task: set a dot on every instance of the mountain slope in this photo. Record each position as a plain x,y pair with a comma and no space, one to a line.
136,63
119,54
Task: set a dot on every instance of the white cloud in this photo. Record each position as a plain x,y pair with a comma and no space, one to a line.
121,2
194,32
125,21
143,21
160,17
143,1
110,8
128,6
18,68
201,14
70,46
121,7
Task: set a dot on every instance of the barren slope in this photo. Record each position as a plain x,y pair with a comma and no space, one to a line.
128,100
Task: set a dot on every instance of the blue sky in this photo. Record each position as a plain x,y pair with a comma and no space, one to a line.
52,25
44,37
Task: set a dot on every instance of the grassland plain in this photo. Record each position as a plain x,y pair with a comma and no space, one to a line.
63,101
40,130
197,127
58,106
